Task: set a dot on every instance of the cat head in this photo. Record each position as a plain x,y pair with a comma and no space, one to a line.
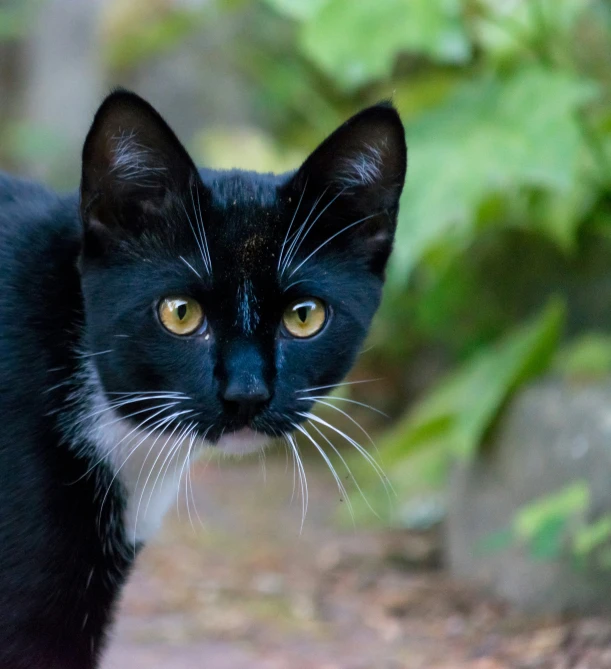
223,301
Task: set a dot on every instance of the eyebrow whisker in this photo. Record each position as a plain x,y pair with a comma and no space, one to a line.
190,266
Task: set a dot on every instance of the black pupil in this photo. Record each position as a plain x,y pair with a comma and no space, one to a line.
302,313
182,311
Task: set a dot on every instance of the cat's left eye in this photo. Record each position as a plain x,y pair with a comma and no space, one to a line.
181,315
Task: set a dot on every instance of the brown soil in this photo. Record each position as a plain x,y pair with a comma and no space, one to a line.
249,591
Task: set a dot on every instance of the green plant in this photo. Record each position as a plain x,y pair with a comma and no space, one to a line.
557,526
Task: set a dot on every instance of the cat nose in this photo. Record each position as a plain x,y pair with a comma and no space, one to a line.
246,393
244,388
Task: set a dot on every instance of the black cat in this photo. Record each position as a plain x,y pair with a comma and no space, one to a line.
164,310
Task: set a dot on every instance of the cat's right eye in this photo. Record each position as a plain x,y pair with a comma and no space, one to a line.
181,316
304,318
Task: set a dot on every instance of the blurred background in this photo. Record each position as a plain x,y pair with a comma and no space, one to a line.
491,354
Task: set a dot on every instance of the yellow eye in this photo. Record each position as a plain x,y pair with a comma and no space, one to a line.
181,315
304,318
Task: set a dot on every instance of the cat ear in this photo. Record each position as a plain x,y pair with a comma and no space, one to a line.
361,166
132,163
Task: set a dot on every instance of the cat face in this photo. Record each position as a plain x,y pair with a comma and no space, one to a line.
231,298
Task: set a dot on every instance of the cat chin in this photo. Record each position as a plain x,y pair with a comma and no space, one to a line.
242,442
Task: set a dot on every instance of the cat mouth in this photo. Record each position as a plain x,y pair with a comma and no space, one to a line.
242,442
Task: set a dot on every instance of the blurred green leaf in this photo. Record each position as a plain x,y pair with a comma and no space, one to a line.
356,42
558,215
533,518
493,136
297,9
543,524
589,357
549,541
506,29
587,539
461,408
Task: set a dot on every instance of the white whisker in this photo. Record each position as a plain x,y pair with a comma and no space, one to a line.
116,404
352,476
144,393
203,229
298,232
198,240
173,451
329,463
312,224
92,355
353,421
303,482
190,266
192,493
152,468
367,456
136,413
186,465
320,398
115,446
154,427
291,225
338,385
331,238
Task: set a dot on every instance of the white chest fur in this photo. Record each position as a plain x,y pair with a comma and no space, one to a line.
150,464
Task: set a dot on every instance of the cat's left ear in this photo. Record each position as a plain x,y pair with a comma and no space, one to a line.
361,168
132,164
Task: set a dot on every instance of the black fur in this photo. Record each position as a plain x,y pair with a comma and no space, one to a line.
83,276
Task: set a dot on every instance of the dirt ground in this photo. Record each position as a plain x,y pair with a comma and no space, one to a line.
249,591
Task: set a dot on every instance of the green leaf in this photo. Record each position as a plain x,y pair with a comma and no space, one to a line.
560,214
357,42
461,408
491,137
548,542
535,518
592,536
297,9
506,29
588,356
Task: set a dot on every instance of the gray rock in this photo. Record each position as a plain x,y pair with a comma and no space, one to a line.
551,434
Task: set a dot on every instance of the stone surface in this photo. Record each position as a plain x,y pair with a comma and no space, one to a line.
552,434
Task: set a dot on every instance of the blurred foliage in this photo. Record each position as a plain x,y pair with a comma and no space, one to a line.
504,240
16,17
542,524
558,526
137,30
456,413
586,358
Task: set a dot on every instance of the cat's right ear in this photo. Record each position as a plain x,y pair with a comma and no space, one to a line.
133,164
